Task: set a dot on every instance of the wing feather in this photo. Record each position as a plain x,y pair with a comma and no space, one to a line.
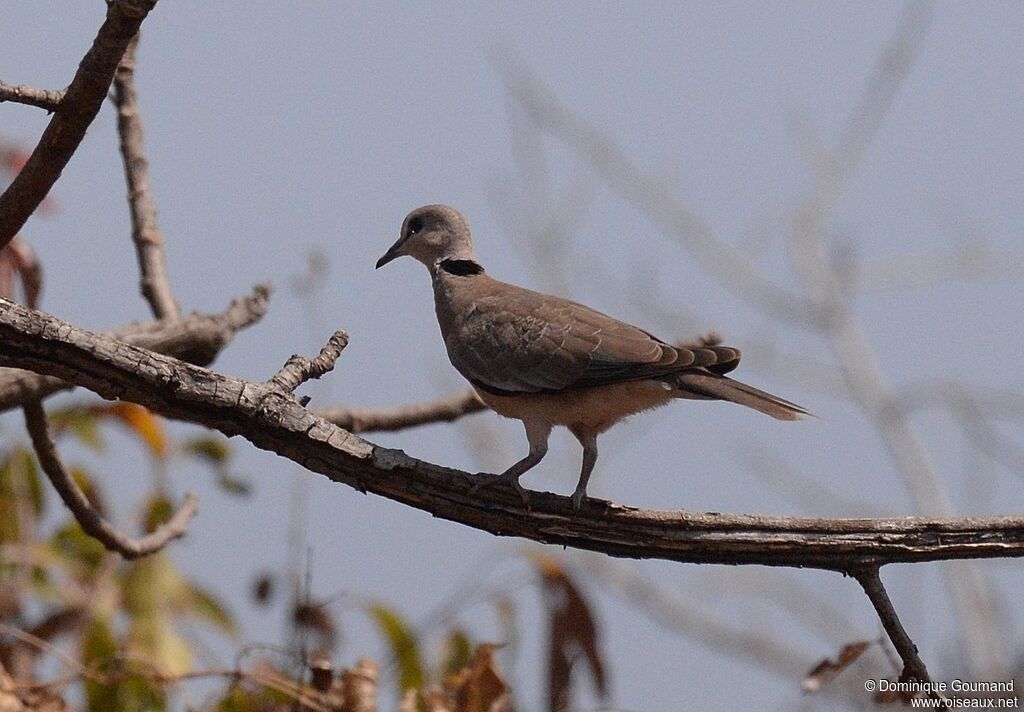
518,341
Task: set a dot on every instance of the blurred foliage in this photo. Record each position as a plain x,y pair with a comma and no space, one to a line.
62,587
129,632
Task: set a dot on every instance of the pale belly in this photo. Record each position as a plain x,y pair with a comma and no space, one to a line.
584,411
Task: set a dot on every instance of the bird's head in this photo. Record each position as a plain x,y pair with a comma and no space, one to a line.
432,234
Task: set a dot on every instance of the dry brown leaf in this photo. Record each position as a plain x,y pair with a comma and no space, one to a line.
827,670
17,260
573,633
481,688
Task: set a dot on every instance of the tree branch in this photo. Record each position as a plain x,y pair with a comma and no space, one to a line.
274,421
81,103
90,520
48,99
913,667
366,420
197,338
149,242
299,369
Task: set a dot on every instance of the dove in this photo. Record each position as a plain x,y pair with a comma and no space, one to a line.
549,361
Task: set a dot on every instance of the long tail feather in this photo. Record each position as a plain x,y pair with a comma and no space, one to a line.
705,385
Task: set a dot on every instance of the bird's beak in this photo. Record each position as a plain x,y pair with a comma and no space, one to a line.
395,251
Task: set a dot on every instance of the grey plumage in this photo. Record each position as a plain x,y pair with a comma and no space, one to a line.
549,361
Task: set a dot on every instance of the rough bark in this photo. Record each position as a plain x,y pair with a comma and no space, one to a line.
196,338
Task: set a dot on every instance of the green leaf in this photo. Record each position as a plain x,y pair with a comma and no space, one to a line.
205,606
458,652
404,647
90,489
233,484
21,493
81,422
216,453
75,546
211,449
158,511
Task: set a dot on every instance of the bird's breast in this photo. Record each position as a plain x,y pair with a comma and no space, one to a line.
584,410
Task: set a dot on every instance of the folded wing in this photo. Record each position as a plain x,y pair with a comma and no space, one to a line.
525,342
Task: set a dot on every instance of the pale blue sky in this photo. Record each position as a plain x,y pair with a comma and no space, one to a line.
274,129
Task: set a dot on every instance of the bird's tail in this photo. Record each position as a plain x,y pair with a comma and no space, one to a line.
710,386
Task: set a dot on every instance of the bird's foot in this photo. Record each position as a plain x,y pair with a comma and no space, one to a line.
511,480
578,497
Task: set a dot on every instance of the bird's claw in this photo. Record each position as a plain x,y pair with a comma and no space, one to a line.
513,482
578,498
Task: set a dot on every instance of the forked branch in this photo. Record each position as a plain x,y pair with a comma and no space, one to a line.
85,514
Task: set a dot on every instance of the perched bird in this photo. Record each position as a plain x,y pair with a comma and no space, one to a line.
549,361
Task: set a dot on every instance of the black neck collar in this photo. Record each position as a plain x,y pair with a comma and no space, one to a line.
460,268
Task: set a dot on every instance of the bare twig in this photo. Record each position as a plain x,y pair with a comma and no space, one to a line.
46,647
149,242
366,420
698,623
299,369
79,107
197,338
274,421
17,259
974,261
858,362
90,520
732,266
48,99
130,669
914,669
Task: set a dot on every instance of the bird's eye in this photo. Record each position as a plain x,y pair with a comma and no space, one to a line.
415,225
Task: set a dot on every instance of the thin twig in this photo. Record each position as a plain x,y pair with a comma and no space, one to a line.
368,420
697,622
90,520
48,99
857,359
81,103
46,647
299,369
270,679
149,242
914,669
732,266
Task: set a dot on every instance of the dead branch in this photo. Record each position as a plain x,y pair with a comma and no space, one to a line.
48,99
274,421
88,518
197,338
366,420
913,667
731,265
266,677
299,369
149,242
697,622
78,108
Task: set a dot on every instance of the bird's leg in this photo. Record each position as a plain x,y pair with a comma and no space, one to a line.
589,460
537,433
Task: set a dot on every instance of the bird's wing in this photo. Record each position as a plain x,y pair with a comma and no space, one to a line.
519,341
